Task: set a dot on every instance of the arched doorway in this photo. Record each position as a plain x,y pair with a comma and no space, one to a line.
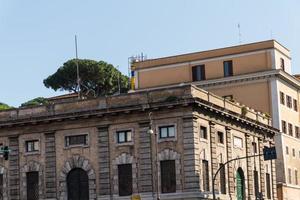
78,184
240,184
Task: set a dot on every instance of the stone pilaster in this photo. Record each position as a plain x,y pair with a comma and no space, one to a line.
261,168
273,177
191,157
249,168
104,161
14,171
50,166
145,165
213,149
230,165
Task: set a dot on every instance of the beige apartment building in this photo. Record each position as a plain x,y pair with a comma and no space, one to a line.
258,75
164,141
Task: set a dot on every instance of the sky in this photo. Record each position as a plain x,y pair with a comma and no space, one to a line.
37,37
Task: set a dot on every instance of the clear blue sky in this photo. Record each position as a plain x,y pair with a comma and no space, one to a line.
36,37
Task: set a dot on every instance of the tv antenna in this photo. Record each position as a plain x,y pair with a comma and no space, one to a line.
77,70
240,34
119,84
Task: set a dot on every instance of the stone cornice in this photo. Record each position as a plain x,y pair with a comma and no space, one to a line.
252,77
183,96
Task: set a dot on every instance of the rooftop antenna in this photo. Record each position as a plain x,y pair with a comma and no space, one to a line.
119,86
77,69
240,35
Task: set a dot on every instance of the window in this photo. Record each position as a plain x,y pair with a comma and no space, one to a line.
32,146
167,131
227,65
290,176
289,101
220,137
256,186
295,104
283,126
296,177
297,134
76,140
290,129
222,179
205,174
125,179
168,176
287,150
282,65
254,147
32,179
268,183
203,132
293,151
282,99
238,142
198,73
124,136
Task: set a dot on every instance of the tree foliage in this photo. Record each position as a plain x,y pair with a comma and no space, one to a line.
4,106
35,102
96,78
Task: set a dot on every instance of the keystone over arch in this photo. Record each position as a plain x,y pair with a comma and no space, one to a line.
77,161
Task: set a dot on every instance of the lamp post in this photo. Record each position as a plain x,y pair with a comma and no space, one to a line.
153,137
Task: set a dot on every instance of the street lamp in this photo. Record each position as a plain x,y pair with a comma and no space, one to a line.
153,136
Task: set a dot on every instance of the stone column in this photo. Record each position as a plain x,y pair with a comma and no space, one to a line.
14,170
230,165
50,166
213,149
104,162
249,168
273,177
191,157
261,167
145,177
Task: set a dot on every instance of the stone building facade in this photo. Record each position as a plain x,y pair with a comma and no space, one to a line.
258,75
103,148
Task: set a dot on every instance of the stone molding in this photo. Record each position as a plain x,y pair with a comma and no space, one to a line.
50,166
104,164
77,161
249,165
145,166
32,166
14,169
4,171
124,158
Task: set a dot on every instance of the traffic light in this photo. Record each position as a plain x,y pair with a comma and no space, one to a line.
5,152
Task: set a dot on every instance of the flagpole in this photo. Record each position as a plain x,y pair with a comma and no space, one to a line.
77,69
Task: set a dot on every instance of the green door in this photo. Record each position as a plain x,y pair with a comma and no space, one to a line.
240,184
